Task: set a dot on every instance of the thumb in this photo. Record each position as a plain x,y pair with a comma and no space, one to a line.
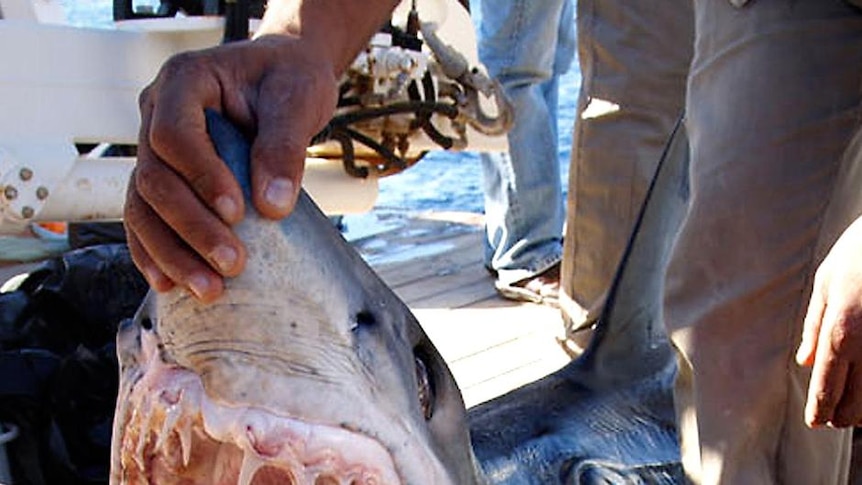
278,161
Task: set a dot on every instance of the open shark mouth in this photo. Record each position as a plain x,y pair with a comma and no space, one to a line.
175,434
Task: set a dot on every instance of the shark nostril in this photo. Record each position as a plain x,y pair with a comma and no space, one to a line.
365,318
146,323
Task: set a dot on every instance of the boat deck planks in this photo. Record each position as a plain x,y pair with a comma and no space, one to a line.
491,344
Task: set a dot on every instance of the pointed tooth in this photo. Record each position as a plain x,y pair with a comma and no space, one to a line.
327,478
185,432
250,465
146,415
171,417
138,457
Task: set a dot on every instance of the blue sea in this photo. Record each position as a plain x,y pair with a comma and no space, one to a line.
442,181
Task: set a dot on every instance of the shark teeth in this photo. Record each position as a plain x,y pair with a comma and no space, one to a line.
185,433
251,463
144,414
171,416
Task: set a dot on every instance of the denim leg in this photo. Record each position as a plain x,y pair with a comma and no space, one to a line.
523,197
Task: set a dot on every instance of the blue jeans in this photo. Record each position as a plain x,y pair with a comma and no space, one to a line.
524,209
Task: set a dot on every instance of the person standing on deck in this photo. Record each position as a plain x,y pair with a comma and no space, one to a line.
634,59
523,195
772,111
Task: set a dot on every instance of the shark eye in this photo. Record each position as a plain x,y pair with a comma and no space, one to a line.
426,389
365,319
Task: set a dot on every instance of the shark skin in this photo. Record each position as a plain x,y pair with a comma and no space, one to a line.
309,370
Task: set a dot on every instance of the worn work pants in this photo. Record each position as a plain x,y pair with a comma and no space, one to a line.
773,106
634,58
773,110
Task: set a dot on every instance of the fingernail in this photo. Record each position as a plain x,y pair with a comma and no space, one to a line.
224,257
279,193
200,285
227,208
154,278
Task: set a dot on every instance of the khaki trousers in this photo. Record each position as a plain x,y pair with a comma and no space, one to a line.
773,116
634,58
773,104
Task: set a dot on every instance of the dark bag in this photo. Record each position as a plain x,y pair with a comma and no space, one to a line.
58,367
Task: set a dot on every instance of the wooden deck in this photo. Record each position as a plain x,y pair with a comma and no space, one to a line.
491,344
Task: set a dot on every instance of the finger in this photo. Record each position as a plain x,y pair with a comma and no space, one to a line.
196,225
286,124
828,377
163,191
157,279
178,135
154,276
848,412
811,326
160,246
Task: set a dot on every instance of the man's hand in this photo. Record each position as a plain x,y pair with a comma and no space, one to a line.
182,199
832,335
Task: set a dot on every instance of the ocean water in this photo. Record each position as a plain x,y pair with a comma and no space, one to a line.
442,181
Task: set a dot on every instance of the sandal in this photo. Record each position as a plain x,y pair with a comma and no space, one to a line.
543,288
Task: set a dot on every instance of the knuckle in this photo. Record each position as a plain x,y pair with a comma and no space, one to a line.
201,183
147,183
132,211
278,148
145,96
845,334
178,64
824,399
161,138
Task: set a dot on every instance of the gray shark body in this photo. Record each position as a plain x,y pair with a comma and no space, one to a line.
309,370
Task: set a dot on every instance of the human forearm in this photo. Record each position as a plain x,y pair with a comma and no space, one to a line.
338,28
